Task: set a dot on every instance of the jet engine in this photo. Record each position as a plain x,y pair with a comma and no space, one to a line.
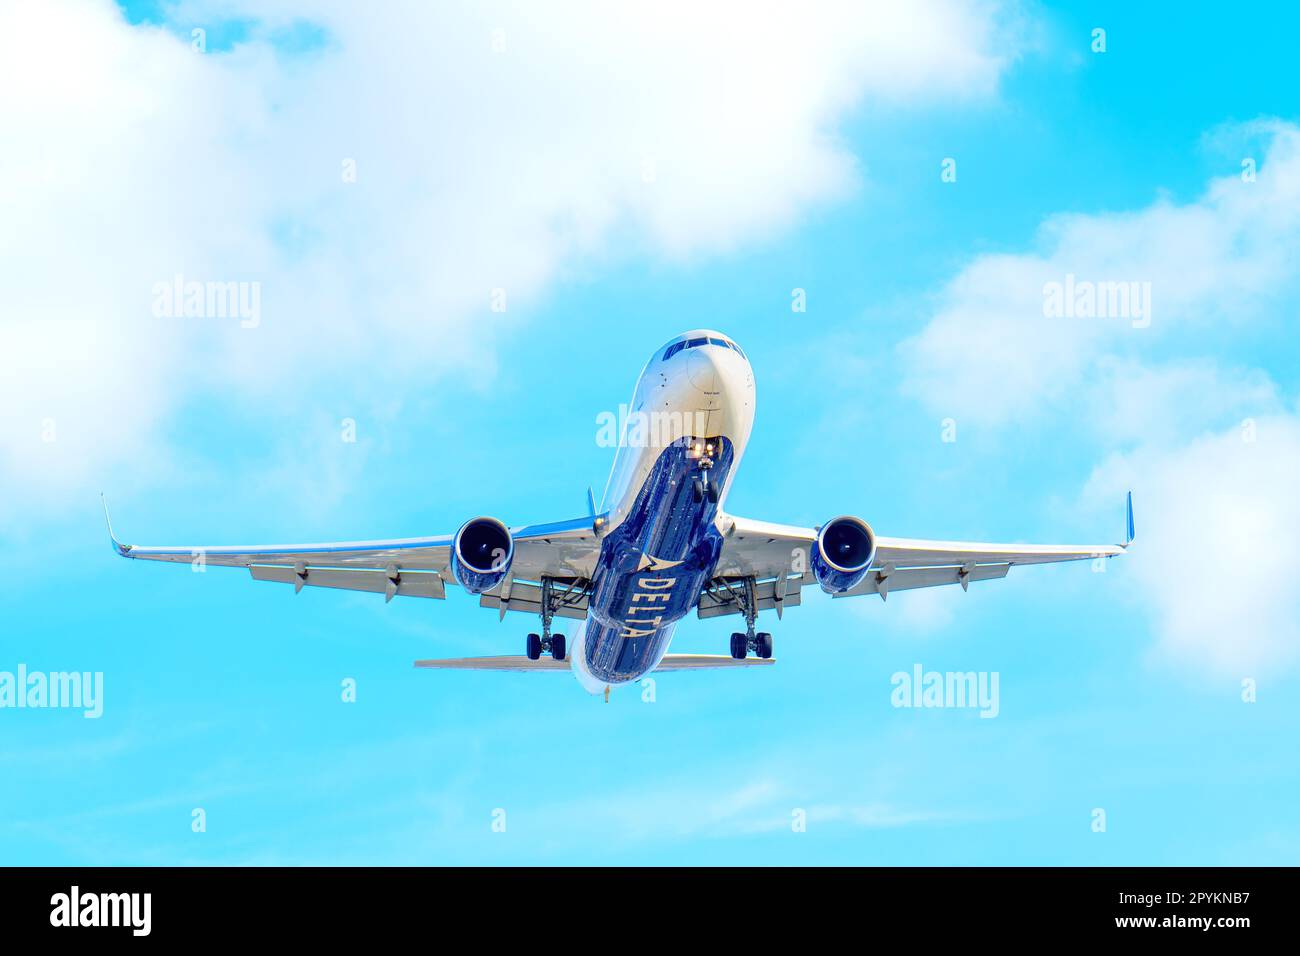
481,554
842,553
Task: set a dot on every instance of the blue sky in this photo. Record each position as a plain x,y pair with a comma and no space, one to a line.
621,186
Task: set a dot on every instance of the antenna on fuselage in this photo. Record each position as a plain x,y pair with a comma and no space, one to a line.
597,522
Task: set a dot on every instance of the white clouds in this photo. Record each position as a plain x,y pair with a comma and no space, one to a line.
675,130
115,171
1219,517
1218,545
1169,403
990,352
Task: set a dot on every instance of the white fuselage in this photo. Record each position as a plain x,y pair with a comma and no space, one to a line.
685,408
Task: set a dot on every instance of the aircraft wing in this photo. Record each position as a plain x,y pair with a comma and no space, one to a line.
409,567
777,557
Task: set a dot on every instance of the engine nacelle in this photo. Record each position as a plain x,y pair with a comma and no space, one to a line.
481,554
842,553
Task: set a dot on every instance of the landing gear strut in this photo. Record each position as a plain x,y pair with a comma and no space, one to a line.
741,644
701,487
546,641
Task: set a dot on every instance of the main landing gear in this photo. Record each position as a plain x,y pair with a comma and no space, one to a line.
553,644
741,644
760,644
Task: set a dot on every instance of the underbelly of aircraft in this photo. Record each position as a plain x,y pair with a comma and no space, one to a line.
653,566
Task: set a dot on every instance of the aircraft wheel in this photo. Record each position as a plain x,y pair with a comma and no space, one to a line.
534,647
713,492
764,642
697,490
557,646
738,646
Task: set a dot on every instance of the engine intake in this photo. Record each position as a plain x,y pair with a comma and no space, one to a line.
481,554
842,553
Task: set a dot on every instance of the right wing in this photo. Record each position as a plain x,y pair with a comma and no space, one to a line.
410,567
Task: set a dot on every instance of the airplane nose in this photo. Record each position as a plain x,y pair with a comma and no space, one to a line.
702,368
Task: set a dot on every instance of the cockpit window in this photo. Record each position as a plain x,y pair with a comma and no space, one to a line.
696,342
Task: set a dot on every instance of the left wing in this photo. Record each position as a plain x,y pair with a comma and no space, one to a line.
777,558
415,567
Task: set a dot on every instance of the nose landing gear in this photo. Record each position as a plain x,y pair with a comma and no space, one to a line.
701,487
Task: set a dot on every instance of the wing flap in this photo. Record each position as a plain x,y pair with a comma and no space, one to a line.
530,607
718,601
918,553
426,584
882,582
526,596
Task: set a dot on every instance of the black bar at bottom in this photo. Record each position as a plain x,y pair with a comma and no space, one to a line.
591,905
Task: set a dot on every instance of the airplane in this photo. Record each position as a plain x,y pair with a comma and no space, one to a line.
661,544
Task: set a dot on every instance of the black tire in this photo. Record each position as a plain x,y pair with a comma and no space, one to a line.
738,646
713,492
764,642
697,490
557,646
534,647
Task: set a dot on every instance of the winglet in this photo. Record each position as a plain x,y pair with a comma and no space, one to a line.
1130,535
118,546
591,502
